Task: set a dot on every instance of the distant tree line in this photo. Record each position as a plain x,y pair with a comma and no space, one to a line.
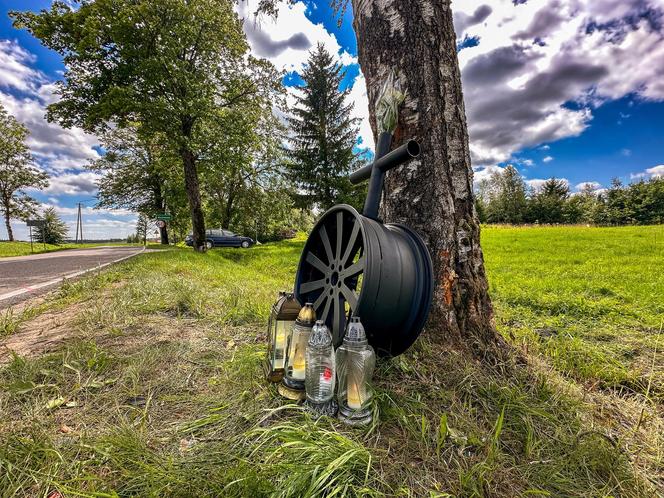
505,198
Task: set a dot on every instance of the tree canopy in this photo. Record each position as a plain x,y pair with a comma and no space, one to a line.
53,230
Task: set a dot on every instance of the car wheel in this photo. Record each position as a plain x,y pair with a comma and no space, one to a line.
209,244
245,244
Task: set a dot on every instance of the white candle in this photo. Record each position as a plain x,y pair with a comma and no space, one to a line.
280,345
298,363
354,396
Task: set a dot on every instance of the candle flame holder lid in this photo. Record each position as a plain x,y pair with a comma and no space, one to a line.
320,335
355,334
307,316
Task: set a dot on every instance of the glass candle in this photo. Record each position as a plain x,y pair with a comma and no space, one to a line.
355,361
292,386
321,371
280,336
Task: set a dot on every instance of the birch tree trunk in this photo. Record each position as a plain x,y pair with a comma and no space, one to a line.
432,194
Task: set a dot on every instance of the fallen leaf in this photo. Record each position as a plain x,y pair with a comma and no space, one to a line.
55,403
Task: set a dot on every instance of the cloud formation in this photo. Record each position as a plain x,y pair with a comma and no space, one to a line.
25,92
286,39
654,172
541,68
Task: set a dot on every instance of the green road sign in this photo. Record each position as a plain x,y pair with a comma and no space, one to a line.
164,217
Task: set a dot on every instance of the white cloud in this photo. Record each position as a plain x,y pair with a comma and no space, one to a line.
584,185
536,183
15,70
547,159
73,184
358,95
25,92
533,58
287,39
654,172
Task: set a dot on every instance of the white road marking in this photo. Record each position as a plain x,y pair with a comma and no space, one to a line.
32,288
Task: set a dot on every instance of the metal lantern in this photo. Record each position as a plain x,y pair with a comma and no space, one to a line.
320,376
355,365
292,386
355,265
282,318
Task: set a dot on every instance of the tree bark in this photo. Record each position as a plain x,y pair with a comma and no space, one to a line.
191,185
228,210
434,193
159,207
8,225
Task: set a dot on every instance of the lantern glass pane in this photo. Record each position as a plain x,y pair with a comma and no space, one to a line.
280,335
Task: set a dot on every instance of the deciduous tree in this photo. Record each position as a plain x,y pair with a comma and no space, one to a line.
433,194
139,173
16,171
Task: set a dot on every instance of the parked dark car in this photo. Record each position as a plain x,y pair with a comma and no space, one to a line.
222,238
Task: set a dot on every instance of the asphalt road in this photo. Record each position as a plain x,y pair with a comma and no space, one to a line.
22,277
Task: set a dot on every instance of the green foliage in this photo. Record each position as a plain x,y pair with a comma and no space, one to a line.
324,136
16,171
54,231
502,199
547,204
141,173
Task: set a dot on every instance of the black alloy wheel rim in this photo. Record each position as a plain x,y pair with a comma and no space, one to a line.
352,265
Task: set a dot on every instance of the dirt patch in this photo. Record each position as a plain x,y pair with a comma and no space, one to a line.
42,334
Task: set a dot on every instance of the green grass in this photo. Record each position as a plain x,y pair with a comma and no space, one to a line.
160,391
8,249
590,299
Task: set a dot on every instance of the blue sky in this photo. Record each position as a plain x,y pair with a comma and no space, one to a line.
566,88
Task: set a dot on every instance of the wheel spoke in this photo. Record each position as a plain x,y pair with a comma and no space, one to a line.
350,296
354,269
326,310
319,301
351,243
311,286
312,259
340,232
326,243
339,318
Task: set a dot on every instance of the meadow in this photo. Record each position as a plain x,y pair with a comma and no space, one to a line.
156,387
21,248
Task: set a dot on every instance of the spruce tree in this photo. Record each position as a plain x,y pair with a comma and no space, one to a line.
54,230
323,135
